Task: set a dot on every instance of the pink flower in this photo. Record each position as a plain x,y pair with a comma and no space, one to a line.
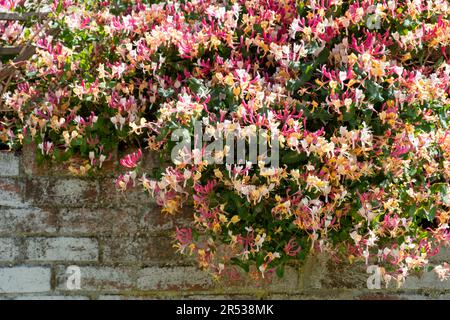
130,161
292,248
184,236
125,181
46,147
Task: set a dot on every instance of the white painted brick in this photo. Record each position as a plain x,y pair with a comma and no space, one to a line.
24,280
60,191
442,256
62,249
46,297
288,283
120,297
427,280
173,278
29,220
106,279
9,165
8,250
10,199
73,191
10,193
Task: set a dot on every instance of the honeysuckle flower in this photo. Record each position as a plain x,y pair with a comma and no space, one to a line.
92,157
101,159
46,147
442,271
184,238
123,182
357,103
292,248
131,160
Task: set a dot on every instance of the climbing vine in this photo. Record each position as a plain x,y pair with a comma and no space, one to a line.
355,92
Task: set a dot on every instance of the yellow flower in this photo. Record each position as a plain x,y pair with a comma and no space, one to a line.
223,218
406,57
216,227
171,206
236,91
229,80
215,42
218,174
235,219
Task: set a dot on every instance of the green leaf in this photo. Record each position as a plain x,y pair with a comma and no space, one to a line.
59,7
166,93
241,264
259,259
306,74
374,91
295,65
322,57
441,187
194,84
431,214
259,208
293,157
280,271
163,133
422,212
293,85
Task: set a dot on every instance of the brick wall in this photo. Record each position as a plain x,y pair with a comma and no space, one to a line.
121,244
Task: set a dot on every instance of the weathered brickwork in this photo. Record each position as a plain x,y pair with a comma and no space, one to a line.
121,245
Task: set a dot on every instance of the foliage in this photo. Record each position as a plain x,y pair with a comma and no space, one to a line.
358,92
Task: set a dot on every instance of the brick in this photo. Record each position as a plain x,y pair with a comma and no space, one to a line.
61,192
74,190
9,165
173,278
121,297
177,297
321,272
219,297
442,256
401,295
27,220
153,221
51,298
11,193
9,250
345,276
148,250
132,197
288,283
24,280
428,296
378,296
313,295
56,169
425,280
314,271
106,279
62,249
29,164
99,221
32,168
143,220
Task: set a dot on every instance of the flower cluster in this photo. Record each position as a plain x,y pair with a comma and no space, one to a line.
357,93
